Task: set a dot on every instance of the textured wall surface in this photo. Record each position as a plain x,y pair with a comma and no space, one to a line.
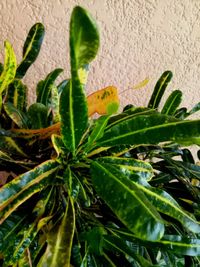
139,39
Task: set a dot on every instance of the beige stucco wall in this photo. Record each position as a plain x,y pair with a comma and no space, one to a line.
139,39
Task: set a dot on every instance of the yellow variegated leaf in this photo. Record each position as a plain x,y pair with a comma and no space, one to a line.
103,101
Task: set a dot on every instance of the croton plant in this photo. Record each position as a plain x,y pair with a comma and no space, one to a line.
118,190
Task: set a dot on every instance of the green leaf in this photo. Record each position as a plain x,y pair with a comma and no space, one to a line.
97,132
38,114
31,48
22,183
73,125
58,252
84,38
160,89
62,85
117,244
140,217
194,109
44,87
10,145
179,245
10,65
131,167
55,104
17,93
16,115
172,103
160,199
152,129
181,113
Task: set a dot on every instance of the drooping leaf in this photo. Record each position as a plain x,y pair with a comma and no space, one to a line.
62,85
31,49
172,103
104,101
58,252
73,126
160,89
17,94
38,113
45,86
152,129
84,39
160,199
140,217
16,115
10,65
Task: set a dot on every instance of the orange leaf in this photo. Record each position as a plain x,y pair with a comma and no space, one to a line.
100,101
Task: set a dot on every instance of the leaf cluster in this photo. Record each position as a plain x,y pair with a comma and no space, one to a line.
119,190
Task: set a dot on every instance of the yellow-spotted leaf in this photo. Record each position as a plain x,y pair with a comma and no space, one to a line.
104,101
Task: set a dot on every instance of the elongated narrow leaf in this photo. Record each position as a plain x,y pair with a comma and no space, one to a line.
16,115
13,189
31,48
17,94
172,103
194,109
84,38
97,131
181,113
104,101
128,203
131,167
10,145
179,245
55,101
160,199
117,244
38,114
45,86
160,89
58,252
10,65
152,129
73,113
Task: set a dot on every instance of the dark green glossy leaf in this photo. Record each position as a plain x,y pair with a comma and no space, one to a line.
31,48
194,109
152,129
94,239
131,167
84,39
58,252
172,103
140,217
62,85
179,245
72,104
17,93
117,244
160,89
16,115
10,65
187,156
181,113
38,113
45,86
